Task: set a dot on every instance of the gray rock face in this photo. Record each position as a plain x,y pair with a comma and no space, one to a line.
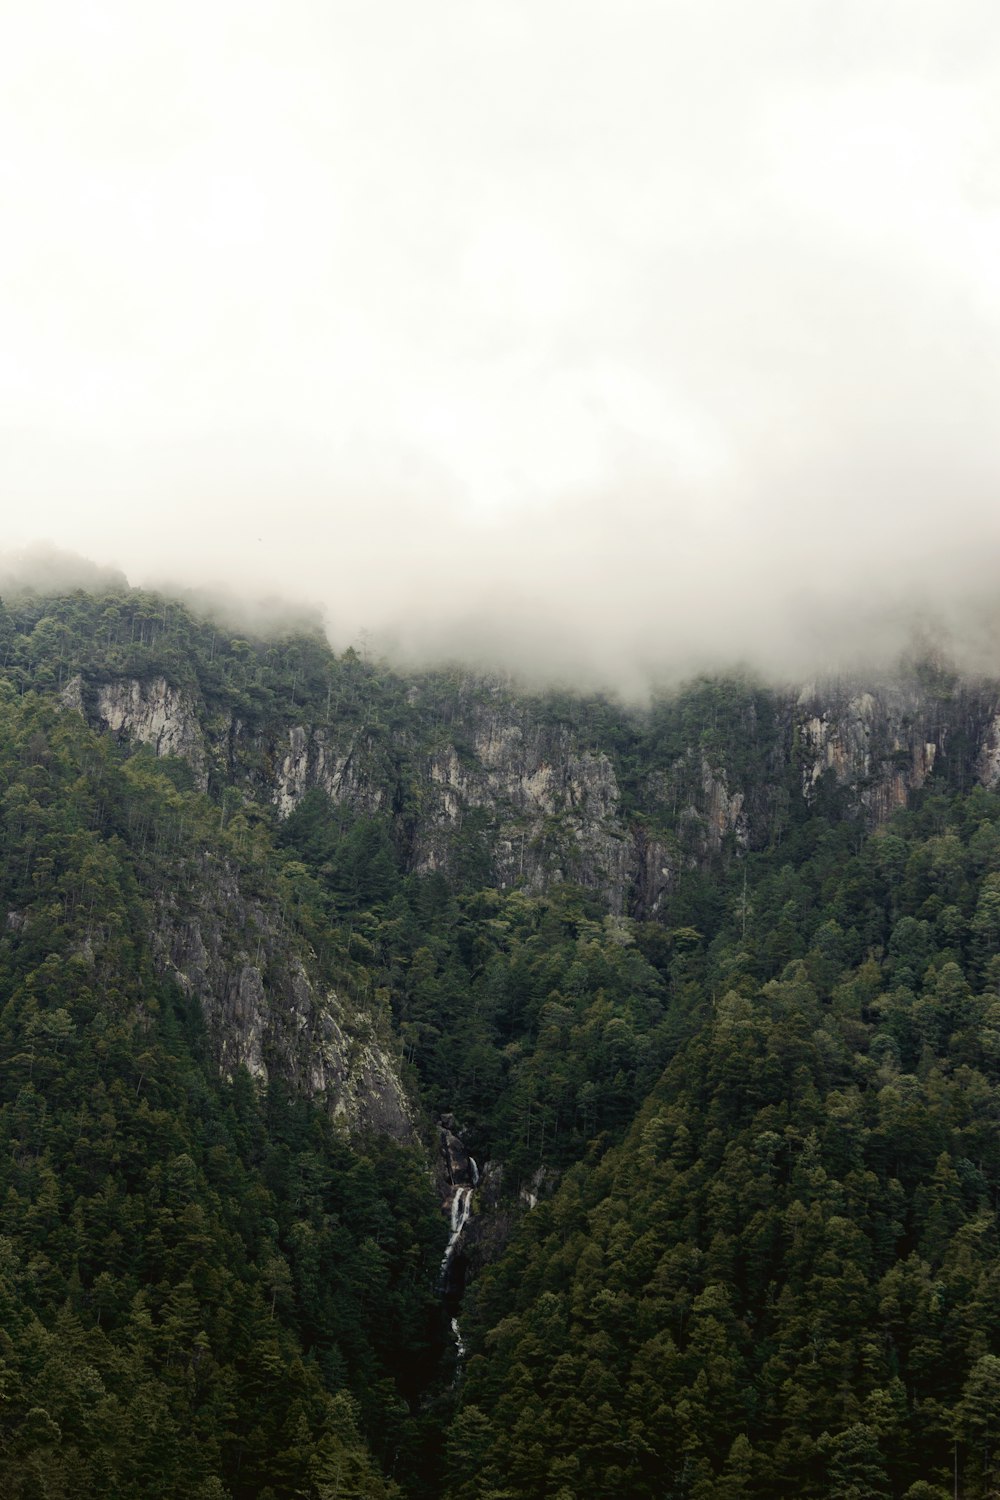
551,807
155,714
315,758
988,759
456,1160
263,1009
882,741
655,868
525,802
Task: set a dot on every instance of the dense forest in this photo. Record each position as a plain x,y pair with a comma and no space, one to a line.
735,1233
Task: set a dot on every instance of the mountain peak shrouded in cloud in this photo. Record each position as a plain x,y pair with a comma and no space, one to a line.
604,340
786,641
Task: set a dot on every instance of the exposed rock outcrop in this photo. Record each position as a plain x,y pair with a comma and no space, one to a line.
505,795
882,741
155,714
457,1161
550,809
988,759
263,1009
523,799
347,772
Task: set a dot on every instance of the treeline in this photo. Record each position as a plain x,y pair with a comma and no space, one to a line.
47,640
282,671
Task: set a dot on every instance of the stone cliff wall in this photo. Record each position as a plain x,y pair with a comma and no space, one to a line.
532,803
154,713
881,742
264,1010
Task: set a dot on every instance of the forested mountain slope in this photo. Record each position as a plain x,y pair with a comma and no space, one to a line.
189,1266
710,983
786,1279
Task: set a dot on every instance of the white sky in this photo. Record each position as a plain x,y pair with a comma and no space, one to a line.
606,334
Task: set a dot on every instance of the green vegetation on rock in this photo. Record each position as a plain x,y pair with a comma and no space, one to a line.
715,986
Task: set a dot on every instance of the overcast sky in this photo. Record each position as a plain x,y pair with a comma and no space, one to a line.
606,334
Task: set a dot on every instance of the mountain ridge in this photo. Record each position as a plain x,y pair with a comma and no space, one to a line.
708,989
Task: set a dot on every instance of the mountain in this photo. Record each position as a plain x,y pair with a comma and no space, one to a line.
684,1014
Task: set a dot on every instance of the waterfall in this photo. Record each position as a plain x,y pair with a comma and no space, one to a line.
463,1178
461,1207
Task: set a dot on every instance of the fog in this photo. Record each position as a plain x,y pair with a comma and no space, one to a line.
606,341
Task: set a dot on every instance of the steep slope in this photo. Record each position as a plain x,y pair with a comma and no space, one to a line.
784,1281
186,1264
706,988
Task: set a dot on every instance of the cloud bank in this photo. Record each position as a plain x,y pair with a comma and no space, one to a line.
595,339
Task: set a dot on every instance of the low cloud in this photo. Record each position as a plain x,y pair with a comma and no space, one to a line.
605,343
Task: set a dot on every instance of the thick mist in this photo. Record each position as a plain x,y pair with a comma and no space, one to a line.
598,341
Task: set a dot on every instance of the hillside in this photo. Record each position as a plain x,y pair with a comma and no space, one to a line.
706,988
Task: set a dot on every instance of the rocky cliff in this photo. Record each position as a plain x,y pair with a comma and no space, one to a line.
882,741
265,1010
265,1006
505,796
526,799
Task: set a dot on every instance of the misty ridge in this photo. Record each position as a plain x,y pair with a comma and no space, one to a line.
629,628
694,369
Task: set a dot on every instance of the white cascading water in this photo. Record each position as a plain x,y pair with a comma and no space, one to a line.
459,1347
461,1207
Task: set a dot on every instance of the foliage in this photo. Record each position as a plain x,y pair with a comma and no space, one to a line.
771,1266
206,1291
784,1281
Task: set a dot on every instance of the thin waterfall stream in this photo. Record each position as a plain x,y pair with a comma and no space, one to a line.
462,1178
461,1207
